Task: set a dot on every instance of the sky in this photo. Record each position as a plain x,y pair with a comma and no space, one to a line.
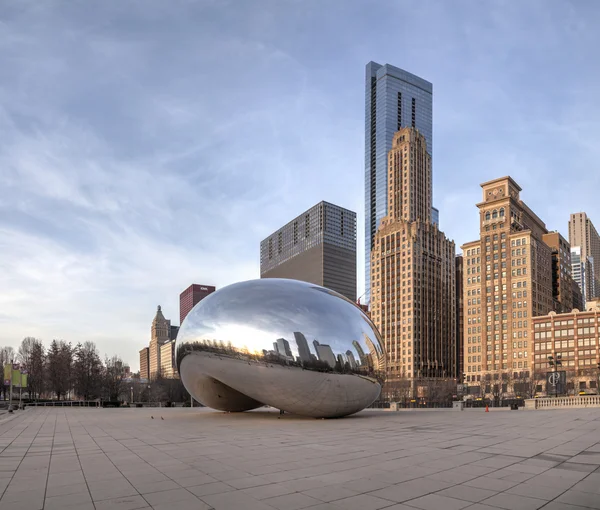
147,145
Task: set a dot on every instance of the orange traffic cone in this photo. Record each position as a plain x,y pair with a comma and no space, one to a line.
487,409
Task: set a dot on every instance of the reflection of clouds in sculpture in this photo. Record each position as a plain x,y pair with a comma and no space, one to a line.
281,323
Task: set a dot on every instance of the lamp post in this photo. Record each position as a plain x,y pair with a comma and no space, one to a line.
555,362
598,379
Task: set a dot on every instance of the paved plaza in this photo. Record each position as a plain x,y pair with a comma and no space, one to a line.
123,459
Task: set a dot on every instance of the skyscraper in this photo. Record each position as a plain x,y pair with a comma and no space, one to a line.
507,279
394,98
413,295
582,233
319,246
160,334
562,282
583,274
145,363
191,296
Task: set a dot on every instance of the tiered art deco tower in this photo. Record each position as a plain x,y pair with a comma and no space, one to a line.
413,299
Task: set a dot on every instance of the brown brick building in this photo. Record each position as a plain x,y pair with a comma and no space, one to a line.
507,281
413,295
573,338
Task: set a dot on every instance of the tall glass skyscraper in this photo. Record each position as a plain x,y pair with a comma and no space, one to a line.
394,98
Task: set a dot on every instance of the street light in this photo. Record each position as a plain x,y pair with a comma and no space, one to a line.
555,363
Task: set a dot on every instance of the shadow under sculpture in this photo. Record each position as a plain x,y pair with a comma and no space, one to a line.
288,344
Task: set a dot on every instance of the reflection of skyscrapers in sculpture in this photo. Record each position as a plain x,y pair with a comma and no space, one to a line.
364,359
282,346
351,359
377,357
324,353
303,349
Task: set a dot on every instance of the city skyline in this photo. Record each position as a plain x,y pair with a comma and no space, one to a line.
127,174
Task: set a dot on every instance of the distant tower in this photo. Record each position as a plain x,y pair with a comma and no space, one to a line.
191,296
394,99
319,246
583,234
160,334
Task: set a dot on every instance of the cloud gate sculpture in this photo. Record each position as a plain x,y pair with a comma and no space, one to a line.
288,344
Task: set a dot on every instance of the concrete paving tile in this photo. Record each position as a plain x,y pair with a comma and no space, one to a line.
156,498
236,499
514,501
148,488
109,489
435,502
190,481
293,501
67,501
69,478
490,483
270,491
466,493
124,503
209,489
331,493
183,505
64,490
247,482
536,491
412,489
362,502
585,499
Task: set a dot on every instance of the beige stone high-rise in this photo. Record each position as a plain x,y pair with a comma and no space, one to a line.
582,233
507,281
413,300
160,334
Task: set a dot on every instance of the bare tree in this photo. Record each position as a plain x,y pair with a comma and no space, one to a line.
87,371
114,373
60,365
36,369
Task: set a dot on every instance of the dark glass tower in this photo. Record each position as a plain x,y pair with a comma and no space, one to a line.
394,98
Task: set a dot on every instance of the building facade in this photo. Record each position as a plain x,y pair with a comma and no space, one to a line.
507,281
319,246
191,296
394,98
413,294
168,367
582,268
145,363
562,282
582,233
572,338
161,333
459,260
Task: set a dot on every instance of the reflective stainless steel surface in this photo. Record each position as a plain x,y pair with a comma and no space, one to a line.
292,345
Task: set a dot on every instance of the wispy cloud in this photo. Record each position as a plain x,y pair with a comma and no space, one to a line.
146,147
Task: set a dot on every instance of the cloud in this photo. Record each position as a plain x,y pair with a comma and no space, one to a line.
146,148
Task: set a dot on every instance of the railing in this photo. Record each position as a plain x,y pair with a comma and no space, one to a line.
64,403
565,402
